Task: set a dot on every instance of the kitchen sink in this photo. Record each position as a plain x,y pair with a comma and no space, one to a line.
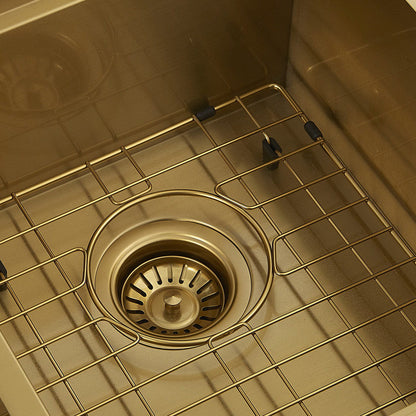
228,264
207,208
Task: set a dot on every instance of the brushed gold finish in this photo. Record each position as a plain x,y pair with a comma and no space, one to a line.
173,296
185,54
354,76
102,185
339,316
171,235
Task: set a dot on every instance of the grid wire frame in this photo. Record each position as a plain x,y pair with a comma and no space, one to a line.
242,330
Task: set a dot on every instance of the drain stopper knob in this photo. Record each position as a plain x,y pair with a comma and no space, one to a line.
173,307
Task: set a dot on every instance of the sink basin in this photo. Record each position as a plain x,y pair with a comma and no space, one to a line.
192,272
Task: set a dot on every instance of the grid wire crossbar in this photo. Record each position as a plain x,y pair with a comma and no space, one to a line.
217,343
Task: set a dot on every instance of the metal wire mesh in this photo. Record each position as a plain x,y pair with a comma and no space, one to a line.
318,346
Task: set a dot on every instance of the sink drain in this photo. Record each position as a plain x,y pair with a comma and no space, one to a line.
173,296
179,267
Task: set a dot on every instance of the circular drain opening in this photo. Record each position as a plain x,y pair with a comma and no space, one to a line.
179,267
174,296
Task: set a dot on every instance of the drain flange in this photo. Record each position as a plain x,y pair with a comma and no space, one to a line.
173,296
182,276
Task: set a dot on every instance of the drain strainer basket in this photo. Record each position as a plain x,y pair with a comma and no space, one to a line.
179,267
173,295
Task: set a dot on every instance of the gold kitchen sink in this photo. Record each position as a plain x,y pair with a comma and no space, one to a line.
229,264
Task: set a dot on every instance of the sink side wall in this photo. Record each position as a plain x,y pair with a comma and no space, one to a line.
352,66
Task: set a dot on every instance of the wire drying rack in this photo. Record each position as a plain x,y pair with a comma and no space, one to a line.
391,278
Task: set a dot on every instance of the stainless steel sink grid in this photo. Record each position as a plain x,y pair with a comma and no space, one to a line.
335,334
